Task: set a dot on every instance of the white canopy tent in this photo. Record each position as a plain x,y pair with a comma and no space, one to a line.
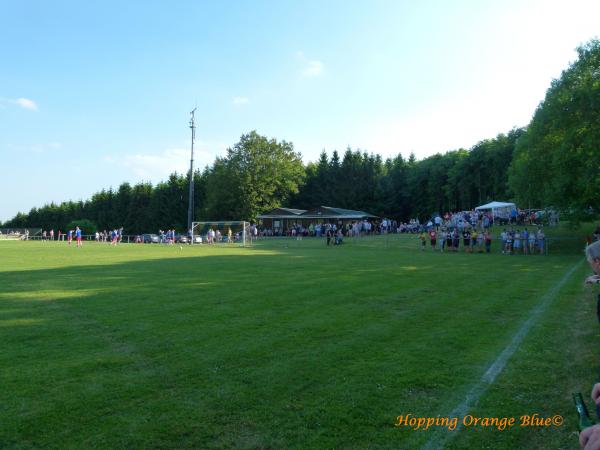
499,209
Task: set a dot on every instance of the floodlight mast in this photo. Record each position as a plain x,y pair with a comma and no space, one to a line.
191,202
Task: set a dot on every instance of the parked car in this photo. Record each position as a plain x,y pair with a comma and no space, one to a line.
181,239
150,239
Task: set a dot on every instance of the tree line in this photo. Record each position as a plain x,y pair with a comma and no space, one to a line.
553,162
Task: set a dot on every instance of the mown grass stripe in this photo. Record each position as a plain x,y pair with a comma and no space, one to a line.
442,436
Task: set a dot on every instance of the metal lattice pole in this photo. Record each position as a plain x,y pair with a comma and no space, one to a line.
191,201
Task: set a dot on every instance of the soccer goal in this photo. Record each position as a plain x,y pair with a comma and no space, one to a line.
22,234
212,233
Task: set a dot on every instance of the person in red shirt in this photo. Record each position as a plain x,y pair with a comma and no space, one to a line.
432,238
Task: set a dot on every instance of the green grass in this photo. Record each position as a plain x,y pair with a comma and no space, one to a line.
286,344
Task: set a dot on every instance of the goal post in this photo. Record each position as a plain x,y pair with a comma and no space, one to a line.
21,234
222,232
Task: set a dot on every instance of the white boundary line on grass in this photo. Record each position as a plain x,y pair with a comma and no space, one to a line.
439,439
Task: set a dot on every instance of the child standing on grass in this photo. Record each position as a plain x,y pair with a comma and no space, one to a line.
432,238
480,238
532,243
449,240
541,238
488,241
423,238
467,240
517,242
442,239
474,236
509,243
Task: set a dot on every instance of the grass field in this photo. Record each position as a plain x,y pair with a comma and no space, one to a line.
286,344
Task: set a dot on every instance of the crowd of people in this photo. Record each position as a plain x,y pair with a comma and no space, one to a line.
474,240
466,230
448,221
523,242
450,240
114,237
60,236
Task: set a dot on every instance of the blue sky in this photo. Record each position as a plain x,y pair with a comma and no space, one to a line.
93,94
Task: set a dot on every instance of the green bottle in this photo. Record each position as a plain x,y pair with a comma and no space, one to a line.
584,416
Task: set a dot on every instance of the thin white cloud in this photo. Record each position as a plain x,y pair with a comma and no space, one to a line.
22,102
311,67
157,167
26,103
239,101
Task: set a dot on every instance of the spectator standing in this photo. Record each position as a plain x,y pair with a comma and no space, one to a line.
488,241
532,239
467,240
517,242
541,240
423,238
449,240
442,239
433,238
509,242
525,241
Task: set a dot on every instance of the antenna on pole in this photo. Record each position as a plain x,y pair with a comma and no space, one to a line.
191,176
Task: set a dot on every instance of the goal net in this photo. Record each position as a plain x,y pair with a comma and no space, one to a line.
20,233
213,233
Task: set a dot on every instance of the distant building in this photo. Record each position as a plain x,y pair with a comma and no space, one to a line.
282,219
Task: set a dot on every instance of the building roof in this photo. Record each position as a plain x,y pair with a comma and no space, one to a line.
282,213
328,212
321,212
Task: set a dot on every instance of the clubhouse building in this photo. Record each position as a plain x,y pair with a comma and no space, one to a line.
280,220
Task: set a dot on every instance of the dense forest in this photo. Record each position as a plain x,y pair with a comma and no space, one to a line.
553,162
